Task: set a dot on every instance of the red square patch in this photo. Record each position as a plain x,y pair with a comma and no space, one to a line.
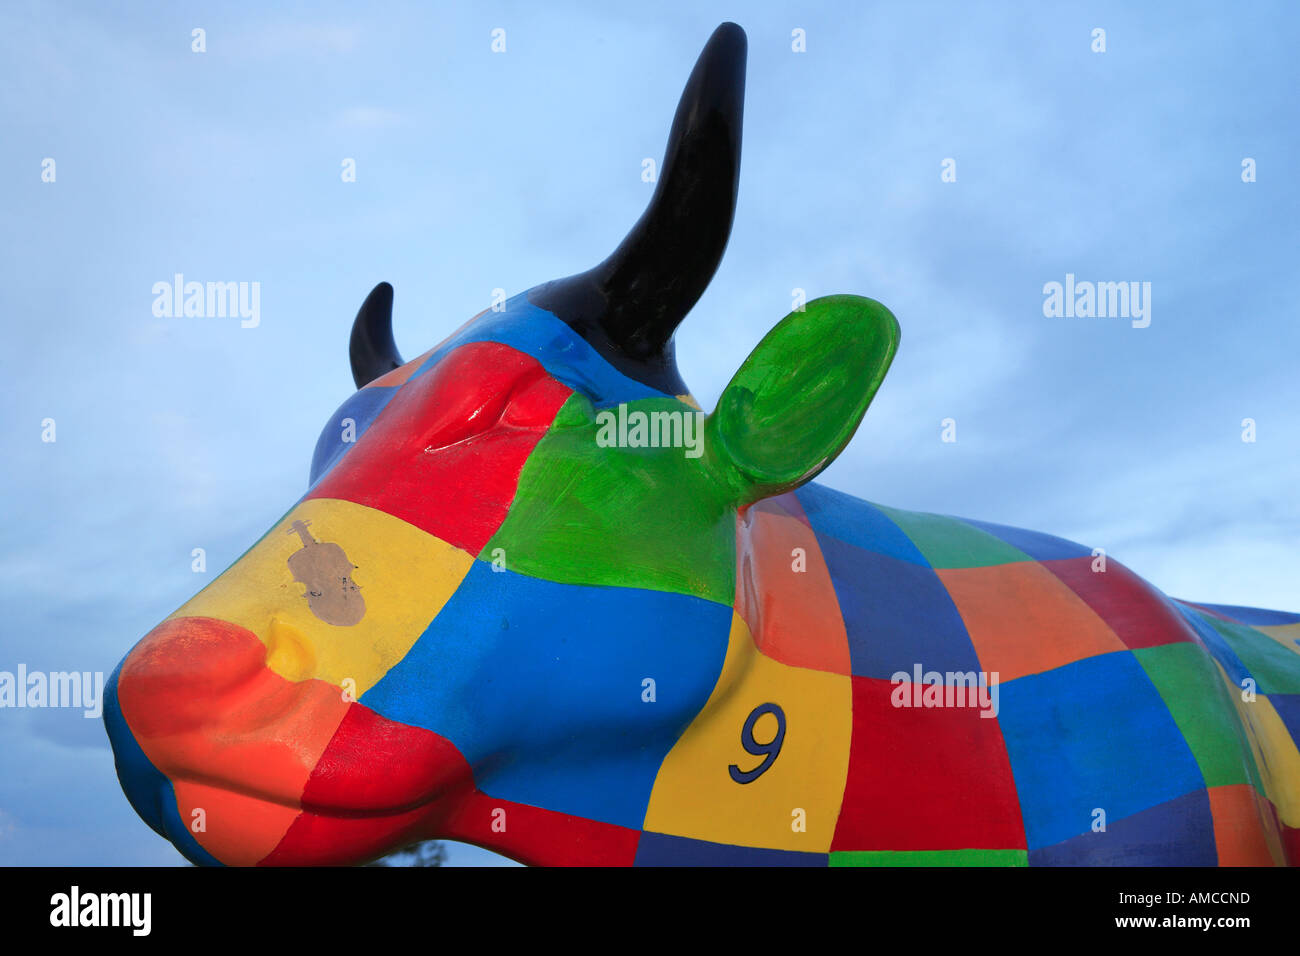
1139,616
925,778
446,452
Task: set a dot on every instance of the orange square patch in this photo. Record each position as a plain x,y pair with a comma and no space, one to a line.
1023,620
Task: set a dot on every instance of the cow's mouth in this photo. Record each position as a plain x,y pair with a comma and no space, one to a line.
234,764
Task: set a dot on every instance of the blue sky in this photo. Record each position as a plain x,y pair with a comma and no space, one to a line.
478,170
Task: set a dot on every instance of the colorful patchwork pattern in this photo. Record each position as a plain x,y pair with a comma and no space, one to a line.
815,681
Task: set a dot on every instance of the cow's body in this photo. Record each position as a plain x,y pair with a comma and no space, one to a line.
496,616
1110,696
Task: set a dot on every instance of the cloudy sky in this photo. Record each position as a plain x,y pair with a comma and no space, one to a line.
479,170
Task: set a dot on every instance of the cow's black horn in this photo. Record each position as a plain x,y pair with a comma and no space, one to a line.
629,306
372,349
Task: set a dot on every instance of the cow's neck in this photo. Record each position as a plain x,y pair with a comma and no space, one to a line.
785,675
786,667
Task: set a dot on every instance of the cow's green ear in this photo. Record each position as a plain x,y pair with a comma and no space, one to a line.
800,395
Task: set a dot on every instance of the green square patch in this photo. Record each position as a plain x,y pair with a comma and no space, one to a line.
929,858
952,543
1275,669
1197,699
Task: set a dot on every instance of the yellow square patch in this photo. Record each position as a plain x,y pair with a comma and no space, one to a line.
336,591
1276,755
794,803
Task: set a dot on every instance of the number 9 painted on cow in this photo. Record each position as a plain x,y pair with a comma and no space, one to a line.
768,751
810,730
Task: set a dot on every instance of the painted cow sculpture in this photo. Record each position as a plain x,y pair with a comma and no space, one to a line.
534,600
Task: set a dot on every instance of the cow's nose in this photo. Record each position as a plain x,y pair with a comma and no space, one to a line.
169,684
143,784
147,789
177,677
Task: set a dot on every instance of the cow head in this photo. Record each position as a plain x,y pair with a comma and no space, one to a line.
509,586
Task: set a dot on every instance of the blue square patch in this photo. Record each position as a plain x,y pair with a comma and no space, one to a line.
1094,734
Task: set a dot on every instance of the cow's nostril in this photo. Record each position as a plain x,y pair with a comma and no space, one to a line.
288,652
